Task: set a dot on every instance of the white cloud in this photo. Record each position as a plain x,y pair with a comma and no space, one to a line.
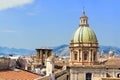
6,4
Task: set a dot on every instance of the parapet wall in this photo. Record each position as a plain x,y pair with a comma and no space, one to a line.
63,75
110,78
43,78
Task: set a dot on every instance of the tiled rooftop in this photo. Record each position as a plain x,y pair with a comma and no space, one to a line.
17,75
113,62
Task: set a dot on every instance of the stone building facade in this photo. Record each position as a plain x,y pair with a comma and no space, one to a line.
84,61
4,63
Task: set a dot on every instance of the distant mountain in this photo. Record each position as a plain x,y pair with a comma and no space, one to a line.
62,50
5,51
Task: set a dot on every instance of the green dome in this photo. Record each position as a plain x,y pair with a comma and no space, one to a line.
84,34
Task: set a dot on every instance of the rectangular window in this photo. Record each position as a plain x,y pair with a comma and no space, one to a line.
88,76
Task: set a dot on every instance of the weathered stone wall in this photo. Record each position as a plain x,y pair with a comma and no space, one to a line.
4,63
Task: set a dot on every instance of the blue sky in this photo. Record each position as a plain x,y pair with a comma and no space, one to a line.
32,24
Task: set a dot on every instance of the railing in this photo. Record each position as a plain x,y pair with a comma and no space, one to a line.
58,76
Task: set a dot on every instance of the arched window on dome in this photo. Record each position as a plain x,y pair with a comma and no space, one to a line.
94,56
85,55
91,54
75,56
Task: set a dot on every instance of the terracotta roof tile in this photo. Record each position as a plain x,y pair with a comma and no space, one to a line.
17,75
113,62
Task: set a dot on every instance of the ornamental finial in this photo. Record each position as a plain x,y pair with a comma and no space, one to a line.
83,11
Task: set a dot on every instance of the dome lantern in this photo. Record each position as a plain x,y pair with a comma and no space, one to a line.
84,19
